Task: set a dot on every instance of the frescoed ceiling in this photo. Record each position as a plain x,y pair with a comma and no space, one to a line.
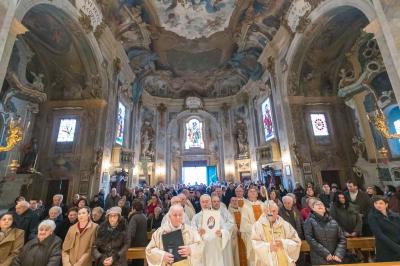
209,48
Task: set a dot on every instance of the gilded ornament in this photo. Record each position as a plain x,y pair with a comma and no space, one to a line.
99,30
13,138
379,121
85,22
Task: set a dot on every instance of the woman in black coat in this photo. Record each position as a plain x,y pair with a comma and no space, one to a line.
385,226
346,215
325,237
112,240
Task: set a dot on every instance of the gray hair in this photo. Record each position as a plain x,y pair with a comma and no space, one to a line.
99,209
284,198
58,208
49,224
23,203
59,196
271,204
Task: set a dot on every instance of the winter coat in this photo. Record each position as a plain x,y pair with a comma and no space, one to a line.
77,247
294,218
111,201
111,242
62,230
45,253
347,217
325,237
387,238
137,230
28,221
11,245
363,202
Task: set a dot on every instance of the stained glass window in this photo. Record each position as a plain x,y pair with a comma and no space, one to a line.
319,124
119,138
66,131
397,126
194,134
269,132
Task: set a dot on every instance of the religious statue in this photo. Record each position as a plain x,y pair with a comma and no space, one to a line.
147,141
358,146
38,81
30,152
241,138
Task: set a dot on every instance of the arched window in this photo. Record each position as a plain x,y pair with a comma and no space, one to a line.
194,134
393,117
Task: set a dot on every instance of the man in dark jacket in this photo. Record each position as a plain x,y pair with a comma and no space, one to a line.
26,220
326,196
43,250
137,229
362,201
112,199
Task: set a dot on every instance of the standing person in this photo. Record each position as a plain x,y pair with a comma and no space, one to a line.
362,201
77,247
275,241
56,201
43,250
112,199
192,248
385,226
72,218
137,229
25,219
326,196
251,211
291,215
347,216
238,247
11,239
325,237
112,240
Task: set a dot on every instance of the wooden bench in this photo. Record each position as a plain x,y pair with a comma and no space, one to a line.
137,254
363,243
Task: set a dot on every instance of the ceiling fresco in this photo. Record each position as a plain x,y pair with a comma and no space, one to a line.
209,48
194,18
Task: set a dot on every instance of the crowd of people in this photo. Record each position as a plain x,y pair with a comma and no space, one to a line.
258,226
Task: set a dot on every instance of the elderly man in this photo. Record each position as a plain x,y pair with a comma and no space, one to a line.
57,201
251,211
214,244
238,247
112,199
43,250
192,248
275,241
26,220
176,201
187,205
291,215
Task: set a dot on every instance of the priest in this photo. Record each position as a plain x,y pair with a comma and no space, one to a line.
239,193
187,205
275,242
176,201
251,211
214,245
238,247
193,246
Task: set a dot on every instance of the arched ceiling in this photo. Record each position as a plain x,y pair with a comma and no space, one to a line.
208,48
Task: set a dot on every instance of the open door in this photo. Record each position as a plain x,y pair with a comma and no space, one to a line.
212,174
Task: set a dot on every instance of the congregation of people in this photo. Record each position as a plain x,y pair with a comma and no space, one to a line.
258,226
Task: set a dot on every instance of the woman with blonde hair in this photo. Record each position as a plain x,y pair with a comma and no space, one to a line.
77,247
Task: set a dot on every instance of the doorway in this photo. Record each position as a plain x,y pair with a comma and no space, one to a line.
331,177
57,187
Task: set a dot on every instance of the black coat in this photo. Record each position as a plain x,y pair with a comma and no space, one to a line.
325,237
137,229
62,230
111,242
45,253
386,230
347,217
294,218
28,222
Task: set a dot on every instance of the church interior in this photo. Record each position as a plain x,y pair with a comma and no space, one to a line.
125,94
95,93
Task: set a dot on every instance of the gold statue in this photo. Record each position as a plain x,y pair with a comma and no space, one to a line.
379,121
13,138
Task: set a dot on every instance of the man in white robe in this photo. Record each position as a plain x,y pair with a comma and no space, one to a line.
189,209
239,193
228,224
176,201
193,244
251,211
275,241
214,245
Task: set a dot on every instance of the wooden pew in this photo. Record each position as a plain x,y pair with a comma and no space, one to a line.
363,243
136,253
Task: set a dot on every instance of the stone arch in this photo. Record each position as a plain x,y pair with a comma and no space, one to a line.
173,124
65,9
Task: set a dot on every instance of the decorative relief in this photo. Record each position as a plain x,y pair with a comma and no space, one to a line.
147,136
91,17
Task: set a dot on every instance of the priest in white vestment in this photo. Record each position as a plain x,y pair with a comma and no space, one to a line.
189,209
275,242
176,201
239,193
213,245
193,244
251,212
228,224
239,254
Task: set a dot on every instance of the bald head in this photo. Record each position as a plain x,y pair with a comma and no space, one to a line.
215,202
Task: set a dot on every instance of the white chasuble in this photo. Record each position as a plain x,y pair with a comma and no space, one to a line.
263,234
155,252
251,211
